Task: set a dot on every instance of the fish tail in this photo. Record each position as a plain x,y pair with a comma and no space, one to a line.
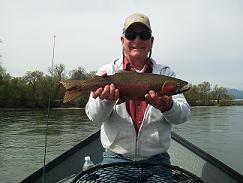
72,90
70,95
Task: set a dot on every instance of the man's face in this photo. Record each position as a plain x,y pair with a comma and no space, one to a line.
136,49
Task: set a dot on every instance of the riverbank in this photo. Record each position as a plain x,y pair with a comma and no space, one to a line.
54,108
237,102
234,102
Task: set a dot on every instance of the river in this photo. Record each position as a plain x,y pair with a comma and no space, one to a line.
217,130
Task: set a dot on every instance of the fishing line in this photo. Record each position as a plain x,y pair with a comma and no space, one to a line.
48,109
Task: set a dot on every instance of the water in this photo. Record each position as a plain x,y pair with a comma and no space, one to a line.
217,130
22,139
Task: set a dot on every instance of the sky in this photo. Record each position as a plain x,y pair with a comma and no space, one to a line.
201,40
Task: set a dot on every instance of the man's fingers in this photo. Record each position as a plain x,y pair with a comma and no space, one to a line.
116,94
105,92
166,99
111,92
152,94
148,98
161,102
97,93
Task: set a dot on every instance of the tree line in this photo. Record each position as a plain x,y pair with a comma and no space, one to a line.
34,89
205,94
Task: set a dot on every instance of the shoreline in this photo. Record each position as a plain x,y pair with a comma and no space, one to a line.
55,108
235,102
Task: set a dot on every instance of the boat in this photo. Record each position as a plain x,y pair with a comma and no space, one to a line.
184,155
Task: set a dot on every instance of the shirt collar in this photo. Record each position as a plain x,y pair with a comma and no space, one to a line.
127,64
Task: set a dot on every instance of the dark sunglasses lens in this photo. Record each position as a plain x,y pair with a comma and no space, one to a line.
130,35
145,35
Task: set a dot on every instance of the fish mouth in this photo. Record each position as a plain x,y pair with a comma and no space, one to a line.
184,88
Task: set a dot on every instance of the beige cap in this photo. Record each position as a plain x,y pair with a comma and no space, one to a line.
136,18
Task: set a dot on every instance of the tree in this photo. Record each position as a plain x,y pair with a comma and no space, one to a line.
219,93
78,73
5,79
58,73
0,42
204,90
91,74
18,93
32,78
2,72
192,95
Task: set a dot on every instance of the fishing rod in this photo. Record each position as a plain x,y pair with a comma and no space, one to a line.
48,110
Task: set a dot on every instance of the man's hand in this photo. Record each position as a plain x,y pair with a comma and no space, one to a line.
109,92
161,102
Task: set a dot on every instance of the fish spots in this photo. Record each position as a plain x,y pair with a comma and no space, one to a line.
131,85
133,90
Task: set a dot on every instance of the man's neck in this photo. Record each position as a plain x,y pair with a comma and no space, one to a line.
137,63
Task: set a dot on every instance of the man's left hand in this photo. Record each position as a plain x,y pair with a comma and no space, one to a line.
161,102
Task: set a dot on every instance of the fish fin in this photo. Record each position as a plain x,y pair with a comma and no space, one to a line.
70,95
68,83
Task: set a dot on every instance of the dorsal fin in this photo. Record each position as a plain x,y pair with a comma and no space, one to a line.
124,71
67,84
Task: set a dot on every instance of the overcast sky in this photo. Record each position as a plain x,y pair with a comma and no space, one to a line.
201,40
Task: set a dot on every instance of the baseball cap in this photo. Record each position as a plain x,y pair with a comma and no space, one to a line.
136,18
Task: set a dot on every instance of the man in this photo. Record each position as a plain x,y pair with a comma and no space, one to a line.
136,130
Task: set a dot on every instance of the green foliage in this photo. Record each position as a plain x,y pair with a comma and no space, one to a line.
204,94
78,73
35,88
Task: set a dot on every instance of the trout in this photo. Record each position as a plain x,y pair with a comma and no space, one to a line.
131,85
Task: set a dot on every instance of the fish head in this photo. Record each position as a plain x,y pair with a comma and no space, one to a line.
174,86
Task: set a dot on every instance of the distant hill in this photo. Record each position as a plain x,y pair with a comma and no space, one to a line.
238,94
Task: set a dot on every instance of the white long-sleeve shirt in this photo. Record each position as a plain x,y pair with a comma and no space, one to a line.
117,131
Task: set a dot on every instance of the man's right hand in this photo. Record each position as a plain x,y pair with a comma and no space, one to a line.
109,92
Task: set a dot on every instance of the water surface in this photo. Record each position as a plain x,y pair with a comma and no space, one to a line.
217,130
22,139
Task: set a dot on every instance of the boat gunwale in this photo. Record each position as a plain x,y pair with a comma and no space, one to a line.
201,153
39,173
204,155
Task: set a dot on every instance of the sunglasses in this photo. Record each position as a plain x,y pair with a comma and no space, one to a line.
131,35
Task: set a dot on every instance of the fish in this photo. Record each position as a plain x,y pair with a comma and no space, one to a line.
131,85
